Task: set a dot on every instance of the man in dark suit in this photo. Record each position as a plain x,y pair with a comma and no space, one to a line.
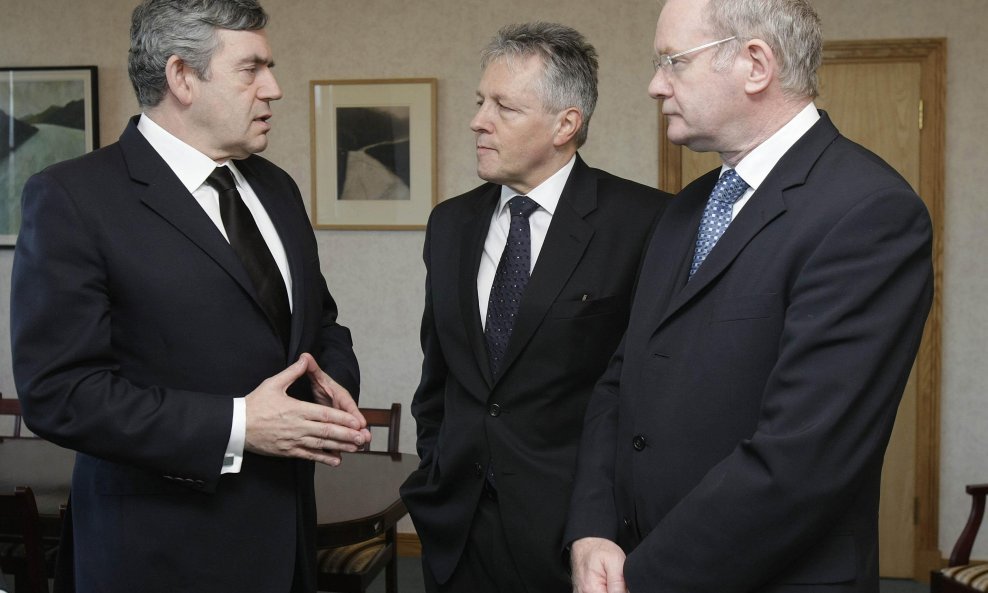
154,311
735,442
500,405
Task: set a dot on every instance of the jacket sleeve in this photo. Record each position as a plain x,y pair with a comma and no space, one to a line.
592,512
428,402
65,369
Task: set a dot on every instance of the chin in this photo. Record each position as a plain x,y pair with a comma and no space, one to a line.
486,174
677,137
255,147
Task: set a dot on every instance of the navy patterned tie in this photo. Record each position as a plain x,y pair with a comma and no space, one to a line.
717,215
510,280
247,242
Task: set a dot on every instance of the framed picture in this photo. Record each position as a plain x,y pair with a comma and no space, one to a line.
47,115
373,153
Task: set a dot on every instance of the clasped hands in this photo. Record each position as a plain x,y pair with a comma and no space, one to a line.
282,426
597,566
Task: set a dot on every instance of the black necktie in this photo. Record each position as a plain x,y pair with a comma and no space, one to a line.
510,280
247,242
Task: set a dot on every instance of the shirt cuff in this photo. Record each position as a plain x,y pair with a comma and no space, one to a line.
234,455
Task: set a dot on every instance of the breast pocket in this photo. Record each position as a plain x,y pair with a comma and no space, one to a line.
586,308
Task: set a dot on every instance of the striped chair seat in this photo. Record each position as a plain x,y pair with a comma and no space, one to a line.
974,575
962,575
352,559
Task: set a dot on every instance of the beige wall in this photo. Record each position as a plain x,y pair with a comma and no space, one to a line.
377,277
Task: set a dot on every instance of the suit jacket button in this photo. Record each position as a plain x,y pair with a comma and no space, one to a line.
477,467
639,442
627,523
494,410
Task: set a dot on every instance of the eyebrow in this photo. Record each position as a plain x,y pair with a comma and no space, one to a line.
256,59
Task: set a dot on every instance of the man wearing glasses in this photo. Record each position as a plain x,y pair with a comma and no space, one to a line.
735,443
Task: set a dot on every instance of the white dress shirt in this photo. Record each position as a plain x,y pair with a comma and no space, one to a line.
192,168
546,195
758,163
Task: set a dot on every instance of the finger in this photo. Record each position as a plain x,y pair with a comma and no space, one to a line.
615,580
344,401
330,458
328,416
329,445
288,376
336,432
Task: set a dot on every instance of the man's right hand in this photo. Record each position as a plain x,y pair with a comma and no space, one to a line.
282,426
598,566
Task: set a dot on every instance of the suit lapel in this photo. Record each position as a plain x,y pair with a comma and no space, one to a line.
473,235
165,195
565,242
671,250
277,206
765,205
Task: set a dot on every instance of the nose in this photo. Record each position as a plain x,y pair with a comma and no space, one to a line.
481,121
269,90
659,87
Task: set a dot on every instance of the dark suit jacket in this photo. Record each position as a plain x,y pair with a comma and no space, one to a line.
735,443
528,419
134,325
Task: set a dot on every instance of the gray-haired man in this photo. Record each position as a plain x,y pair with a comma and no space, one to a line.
161,287
512,350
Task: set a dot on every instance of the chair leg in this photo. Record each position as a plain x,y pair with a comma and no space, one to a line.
391,570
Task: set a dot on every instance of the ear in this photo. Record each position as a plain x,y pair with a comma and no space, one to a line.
181,79
568,123
761,64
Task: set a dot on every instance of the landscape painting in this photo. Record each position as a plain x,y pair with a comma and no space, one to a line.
373,153
47,115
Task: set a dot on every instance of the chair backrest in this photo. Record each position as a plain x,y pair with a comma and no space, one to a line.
19,524
961,553
389,418
10,420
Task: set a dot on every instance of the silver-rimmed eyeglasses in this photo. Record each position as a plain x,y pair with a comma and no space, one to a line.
667,61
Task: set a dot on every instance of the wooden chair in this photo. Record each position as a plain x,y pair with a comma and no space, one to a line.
10,413
21,550
50,469
352,568
961,575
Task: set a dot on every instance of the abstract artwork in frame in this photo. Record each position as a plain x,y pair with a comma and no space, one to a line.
47,115
373,153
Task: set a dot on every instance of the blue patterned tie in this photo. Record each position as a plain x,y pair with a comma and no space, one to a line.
717,215
509,280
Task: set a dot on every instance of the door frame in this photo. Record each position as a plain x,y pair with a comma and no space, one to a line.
931,55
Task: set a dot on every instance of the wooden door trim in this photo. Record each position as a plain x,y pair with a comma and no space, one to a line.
931,55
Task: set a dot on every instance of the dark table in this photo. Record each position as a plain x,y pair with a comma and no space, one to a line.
359,499
46,469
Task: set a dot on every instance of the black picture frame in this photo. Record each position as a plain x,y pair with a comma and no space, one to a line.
47,115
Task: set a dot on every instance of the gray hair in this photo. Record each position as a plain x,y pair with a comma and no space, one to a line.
790,27
569,65
160,29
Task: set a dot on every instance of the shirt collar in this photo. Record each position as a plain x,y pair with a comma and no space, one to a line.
546,194
189,165
756,166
